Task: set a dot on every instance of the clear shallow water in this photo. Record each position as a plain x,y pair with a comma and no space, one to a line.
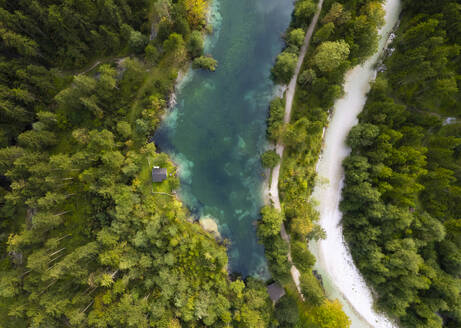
216,132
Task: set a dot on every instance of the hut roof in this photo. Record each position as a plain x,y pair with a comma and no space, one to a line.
275,291
159,174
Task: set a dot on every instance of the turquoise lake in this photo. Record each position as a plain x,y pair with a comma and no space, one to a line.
216,132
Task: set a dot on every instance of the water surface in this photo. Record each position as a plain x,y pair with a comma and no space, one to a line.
216,132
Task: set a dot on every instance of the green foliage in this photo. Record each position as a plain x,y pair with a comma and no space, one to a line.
347,36
284,67
286,311
271,221
311,289
137,41
330,315
152,54
67,34
174,43
374,12
276,248
270,159
275,120
205,62
304,11
324,33
307,77
195,44
402,187
303,259
296,37
337,14
330,55
83,240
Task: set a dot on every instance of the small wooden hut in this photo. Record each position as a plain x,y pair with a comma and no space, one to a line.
159,174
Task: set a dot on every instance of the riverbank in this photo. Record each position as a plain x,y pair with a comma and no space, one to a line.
341,278
398,224
300,143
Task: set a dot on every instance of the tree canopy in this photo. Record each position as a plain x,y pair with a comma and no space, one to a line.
402,186
84,241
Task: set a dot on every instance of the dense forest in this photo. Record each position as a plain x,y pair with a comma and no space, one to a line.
86,239
346,35
402,194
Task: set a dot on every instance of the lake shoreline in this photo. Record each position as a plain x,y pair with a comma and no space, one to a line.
226,109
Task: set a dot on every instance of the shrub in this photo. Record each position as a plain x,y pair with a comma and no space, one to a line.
137,41
296,37
331,54
310,287
284,67
286,311
205,62
275,120
270,159
304,10
271,220
195,44
302,257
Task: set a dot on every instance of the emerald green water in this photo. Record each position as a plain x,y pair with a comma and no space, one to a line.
216,132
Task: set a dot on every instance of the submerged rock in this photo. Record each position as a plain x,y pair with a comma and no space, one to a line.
209,224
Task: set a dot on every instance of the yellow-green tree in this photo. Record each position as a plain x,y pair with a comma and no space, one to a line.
330,315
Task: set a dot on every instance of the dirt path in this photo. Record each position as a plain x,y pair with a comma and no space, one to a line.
289,94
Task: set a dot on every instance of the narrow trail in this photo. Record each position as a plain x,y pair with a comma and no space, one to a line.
91,68
289,95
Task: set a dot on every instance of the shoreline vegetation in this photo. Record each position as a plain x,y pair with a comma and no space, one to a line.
86,240
341,277
346,36
401,197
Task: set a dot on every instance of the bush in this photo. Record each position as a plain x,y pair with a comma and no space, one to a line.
124,129
331,54
296,37
330,314
277,257
271,221
174,43
310,287
296,134
275,120
324,32
137,41
286,311
302,257
304,10
284,67
270,159
195,44
307,77
152,53
205,62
